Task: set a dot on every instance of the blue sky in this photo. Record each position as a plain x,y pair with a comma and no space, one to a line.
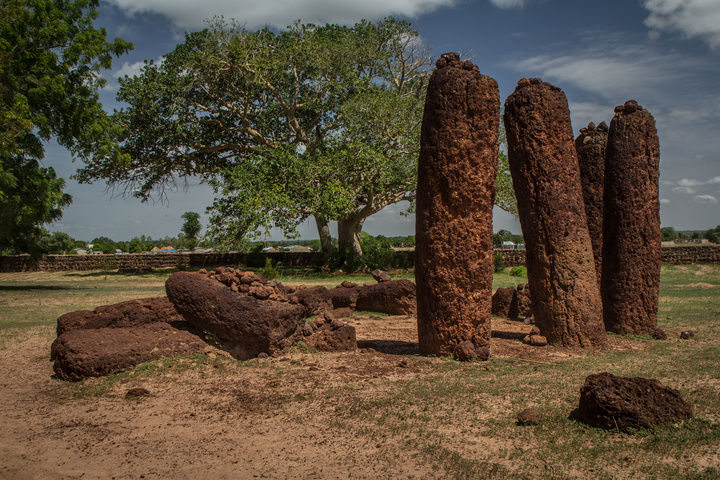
663,53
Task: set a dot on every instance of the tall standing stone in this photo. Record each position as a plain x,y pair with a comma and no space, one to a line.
546,177
590,147
455,196
631,245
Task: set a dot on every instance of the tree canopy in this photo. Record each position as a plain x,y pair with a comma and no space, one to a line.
191,228
50,60
313,121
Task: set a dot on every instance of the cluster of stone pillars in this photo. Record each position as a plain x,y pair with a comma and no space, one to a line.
588,208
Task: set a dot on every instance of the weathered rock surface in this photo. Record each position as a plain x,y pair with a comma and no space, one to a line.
511,302
380,276
565,294
529,416
333,338
394,297
621,403
252,325
83,353
632,246
590,146
315,300
501,301
521,305
131,313
455,195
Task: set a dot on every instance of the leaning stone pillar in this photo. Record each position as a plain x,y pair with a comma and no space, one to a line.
631,244
546,177
590,146
455,196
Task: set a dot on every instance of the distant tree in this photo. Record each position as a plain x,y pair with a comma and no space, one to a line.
55,242
191,228
103,244
713,234
140,245
668,234
51,57
505,194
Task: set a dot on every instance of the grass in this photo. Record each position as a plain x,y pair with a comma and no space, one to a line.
459,418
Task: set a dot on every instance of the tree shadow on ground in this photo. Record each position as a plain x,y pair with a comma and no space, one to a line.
392,347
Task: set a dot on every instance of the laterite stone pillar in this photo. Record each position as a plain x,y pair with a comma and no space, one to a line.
631,243
455,196
546,178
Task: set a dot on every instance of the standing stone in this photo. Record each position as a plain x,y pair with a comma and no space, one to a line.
561,270
590,147
631,245
455,196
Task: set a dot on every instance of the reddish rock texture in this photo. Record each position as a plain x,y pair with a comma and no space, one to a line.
252,325
394,297
561,269
124,314
620,403
590,146
455,195
315,300
501,301
631,246
83,353
345,297
333,337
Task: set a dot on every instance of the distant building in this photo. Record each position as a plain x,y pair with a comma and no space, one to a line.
297,248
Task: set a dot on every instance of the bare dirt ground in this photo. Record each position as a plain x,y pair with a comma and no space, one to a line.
273,418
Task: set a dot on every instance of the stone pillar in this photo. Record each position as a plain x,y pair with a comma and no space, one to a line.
590,147
455,196
546,177
631,245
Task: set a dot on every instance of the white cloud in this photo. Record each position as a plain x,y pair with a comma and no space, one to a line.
508,3
684,190
281,13
667,183
705,199
687,182
664,201
583,113
129,69
614,70
692,18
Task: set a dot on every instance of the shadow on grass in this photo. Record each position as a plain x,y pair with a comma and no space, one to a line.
19,288
393,347
159,273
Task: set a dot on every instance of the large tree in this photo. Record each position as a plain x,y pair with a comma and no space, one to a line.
313,121
50,60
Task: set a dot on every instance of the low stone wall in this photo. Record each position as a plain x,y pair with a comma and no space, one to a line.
679,255
142,262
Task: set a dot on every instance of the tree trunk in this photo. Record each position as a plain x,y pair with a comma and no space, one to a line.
349,229
325,238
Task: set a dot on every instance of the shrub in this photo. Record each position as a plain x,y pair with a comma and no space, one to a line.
499,263
270,271
517,272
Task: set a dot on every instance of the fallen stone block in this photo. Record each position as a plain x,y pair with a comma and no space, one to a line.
84,353
622,403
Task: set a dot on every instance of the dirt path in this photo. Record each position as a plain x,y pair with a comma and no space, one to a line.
274,418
